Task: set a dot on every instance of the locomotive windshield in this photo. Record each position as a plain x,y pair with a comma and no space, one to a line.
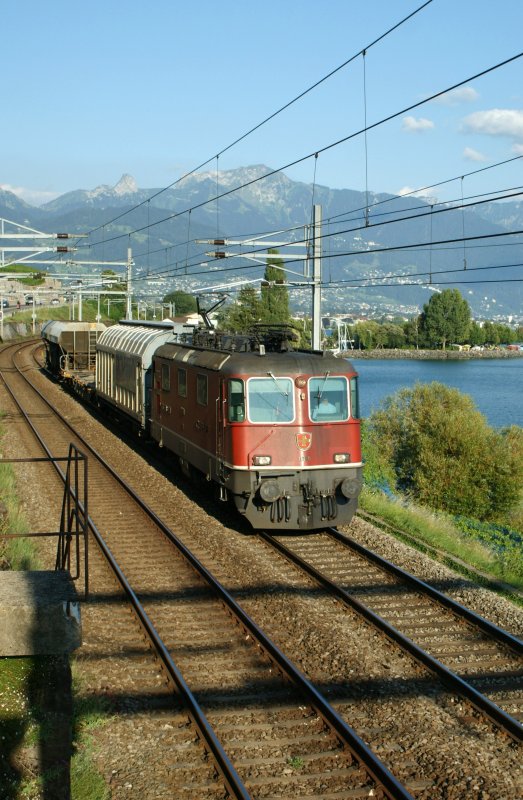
328,399
270,399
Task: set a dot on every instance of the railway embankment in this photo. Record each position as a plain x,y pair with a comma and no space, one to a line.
428,355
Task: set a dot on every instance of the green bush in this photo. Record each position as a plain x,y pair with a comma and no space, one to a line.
505,543
442,452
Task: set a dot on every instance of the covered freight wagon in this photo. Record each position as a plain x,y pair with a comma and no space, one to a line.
123,366
71,346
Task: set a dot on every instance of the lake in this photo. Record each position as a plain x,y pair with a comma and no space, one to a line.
495,385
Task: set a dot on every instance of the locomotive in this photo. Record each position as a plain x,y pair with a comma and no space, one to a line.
275,428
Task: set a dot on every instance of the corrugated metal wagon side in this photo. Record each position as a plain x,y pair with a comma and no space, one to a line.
123,367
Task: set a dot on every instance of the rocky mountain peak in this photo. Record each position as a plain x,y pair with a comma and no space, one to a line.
126,185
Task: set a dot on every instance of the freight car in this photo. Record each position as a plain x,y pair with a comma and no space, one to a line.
274,428
124,368
70,349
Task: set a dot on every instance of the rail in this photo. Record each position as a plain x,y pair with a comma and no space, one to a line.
457,684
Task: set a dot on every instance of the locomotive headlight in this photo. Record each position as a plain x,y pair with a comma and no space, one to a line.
270,491
261,461
341,458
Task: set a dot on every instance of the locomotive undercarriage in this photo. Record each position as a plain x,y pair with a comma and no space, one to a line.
293,499
298,500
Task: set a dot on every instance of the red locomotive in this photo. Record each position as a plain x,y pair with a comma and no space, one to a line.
276,429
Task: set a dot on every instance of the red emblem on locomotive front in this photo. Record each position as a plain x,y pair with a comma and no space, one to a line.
304,440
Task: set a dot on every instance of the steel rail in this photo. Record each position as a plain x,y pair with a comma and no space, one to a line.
457,684
232,780
345,734
477,620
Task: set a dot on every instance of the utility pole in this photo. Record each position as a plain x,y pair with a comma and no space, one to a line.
129,312
316,278
311,259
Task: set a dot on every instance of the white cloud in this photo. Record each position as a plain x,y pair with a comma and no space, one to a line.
414,125
35,197
473,155
518,149
423,193
464,94
496,122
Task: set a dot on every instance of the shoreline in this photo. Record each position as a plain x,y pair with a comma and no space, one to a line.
431,355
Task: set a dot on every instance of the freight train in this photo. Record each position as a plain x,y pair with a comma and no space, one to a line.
275,428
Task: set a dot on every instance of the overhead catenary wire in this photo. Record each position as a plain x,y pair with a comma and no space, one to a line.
399,276
416,245
448,205
271,116
327,147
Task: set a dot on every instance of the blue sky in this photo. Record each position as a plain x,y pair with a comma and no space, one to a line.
96,89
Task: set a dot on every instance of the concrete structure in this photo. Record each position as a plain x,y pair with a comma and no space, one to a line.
39,614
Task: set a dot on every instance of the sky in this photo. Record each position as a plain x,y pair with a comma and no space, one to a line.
93,90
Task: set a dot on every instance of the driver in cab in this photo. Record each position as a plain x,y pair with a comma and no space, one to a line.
324,409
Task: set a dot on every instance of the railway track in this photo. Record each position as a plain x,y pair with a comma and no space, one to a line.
472,656
299,767
281,734
442,556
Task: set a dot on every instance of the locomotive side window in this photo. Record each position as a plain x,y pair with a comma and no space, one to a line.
182,383
328,399
236,400
166,378
270,399
354,398
201,390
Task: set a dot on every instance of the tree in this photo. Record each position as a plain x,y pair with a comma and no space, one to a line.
412,332
444,454
241,316
395,337
366,334
183,303
476,335
274,297
445,318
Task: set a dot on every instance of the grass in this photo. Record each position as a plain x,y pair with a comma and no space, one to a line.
296,762
20,553
24,723
484,547
90,713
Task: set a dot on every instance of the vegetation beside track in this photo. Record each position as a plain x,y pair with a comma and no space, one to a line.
437,471
26,684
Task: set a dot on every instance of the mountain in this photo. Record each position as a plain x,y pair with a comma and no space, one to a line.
12,208
357,244
125,193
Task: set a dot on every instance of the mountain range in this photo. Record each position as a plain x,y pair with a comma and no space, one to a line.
360,233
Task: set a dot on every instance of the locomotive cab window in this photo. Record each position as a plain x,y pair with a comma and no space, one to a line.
354,398
328,399
182,383
201,390
270,399
166,378
236,400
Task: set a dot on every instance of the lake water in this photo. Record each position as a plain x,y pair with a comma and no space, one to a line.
495,385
